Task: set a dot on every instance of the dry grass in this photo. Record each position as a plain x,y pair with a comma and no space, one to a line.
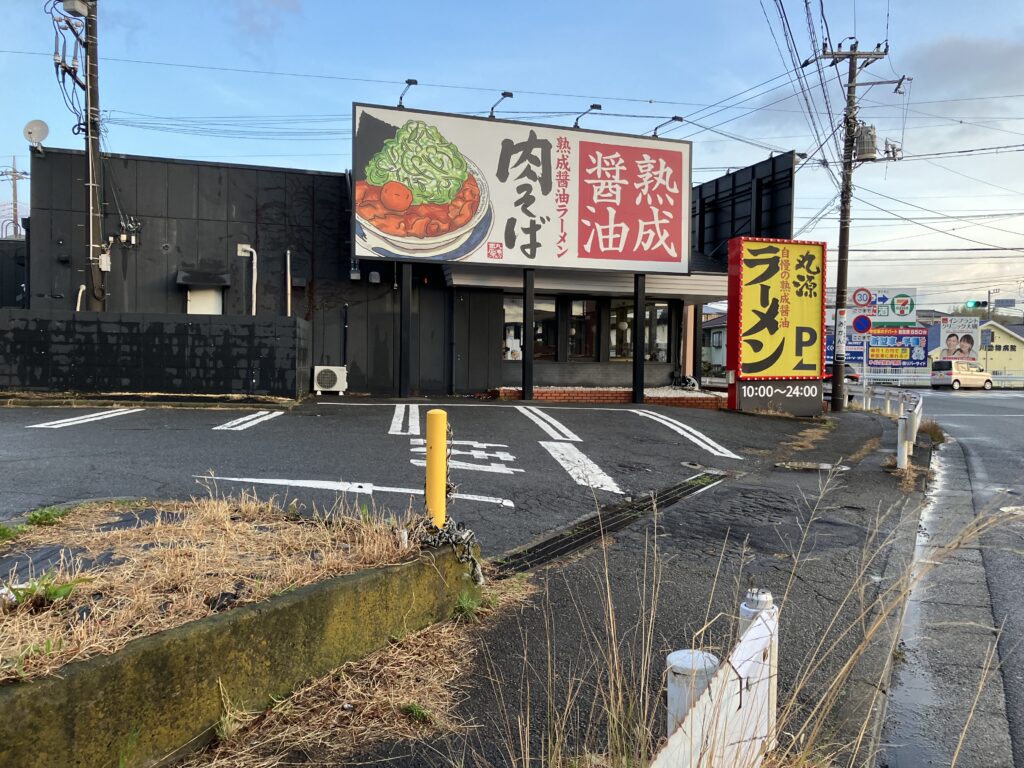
409,690
934,431
808,439
176,562
867,449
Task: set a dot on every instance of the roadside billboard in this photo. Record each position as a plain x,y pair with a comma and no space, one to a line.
854,352
870,307
438,187
961,337
898,348
776,320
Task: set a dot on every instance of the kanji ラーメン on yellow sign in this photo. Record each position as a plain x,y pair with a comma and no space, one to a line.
781,290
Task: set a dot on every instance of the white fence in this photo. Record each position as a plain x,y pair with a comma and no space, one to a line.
907,407
723,715
902,377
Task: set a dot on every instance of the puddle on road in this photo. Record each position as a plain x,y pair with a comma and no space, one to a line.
912,694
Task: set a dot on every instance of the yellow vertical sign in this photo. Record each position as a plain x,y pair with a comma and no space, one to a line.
782,286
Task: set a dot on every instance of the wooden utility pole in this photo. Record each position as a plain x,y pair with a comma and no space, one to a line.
845,199
15,176
99,263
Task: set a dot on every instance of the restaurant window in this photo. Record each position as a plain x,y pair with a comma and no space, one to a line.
656,332
582,330
620,333
656,335
545,328
512,342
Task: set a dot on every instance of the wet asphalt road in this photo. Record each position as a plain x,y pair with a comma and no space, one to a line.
521,471
990,428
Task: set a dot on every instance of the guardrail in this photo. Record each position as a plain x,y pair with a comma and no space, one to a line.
724,714
907,407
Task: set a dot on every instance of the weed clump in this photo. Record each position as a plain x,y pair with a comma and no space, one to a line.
47,515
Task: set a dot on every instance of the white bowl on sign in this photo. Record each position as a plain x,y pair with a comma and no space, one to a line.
426,246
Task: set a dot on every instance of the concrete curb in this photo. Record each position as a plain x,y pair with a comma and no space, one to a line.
161,696
860,711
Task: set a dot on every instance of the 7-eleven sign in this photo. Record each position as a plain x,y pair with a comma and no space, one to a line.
903,306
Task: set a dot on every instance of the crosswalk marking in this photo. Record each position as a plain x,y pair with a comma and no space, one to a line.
76,420
249,421
398,420
691,434
580,468
554,428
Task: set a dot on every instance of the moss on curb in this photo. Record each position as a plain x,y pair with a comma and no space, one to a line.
161,696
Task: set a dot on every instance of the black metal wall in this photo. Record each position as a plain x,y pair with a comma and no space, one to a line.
13,271
58,350
756,200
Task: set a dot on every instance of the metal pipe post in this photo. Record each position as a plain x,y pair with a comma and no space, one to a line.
437,466
689,674
901,443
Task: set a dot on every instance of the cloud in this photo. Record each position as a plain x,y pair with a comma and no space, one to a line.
962,66
261,19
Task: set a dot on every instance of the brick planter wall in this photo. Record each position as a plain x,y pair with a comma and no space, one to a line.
606,396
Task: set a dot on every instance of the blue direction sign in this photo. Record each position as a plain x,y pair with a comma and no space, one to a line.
853,354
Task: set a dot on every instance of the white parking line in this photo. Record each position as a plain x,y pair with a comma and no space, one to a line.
250,421
697,438
399,419
356,488
580,468
548,423
76,420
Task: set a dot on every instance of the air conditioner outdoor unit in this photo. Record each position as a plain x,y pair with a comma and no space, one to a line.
330,378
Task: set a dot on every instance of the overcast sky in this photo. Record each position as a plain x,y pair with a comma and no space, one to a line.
644,62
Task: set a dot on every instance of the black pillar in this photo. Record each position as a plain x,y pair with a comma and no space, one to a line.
639,300
404,329
698,342
528,334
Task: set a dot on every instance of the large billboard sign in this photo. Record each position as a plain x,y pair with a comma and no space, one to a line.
444,188
776,311
961,337
898,348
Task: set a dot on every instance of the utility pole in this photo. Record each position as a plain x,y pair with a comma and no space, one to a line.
15,176
845,198
98,257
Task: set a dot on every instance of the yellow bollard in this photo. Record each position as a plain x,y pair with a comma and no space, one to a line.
437,465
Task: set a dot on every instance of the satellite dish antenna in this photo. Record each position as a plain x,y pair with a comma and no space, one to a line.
35,132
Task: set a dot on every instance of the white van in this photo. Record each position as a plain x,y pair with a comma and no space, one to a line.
960,374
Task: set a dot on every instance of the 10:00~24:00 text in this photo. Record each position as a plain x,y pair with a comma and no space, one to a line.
790,390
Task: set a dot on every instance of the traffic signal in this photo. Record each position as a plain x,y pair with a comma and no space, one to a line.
977,304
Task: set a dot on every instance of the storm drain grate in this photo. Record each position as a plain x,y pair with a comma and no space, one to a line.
608,520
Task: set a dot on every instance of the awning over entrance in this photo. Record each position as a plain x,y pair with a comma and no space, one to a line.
694,288
201,279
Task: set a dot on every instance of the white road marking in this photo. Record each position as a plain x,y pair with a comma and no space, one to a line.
250,421
473,454
76,420
398,420
580,468
418,441
548,423
697,438
498,469
367,489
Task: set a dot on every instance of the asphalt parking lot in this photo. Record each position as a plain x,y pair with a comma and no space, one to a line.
521,470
